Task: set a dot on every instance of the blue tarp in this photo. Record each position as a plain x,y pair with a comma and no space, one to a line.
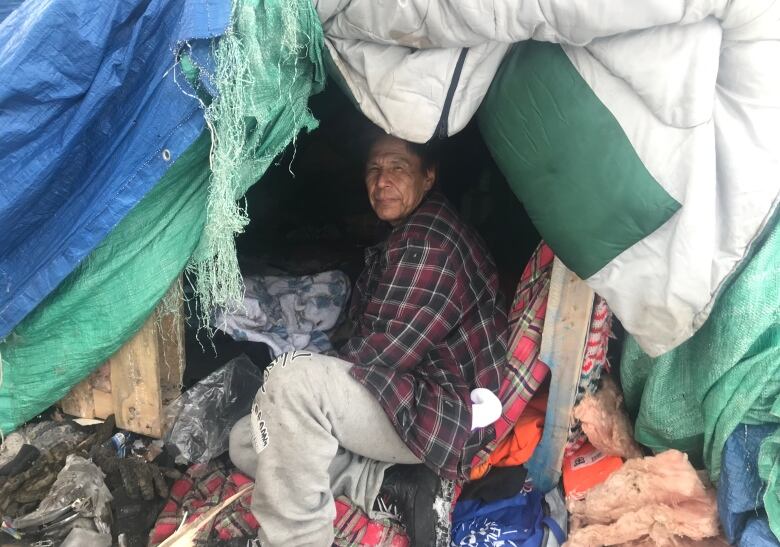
71,74
741,490
8,6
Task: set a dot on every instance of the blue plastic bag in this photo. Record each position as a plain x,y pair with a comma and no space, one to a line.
519,521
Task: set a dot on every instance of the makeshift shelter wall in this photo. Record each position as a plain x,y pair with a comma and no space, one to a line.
103,302
685,86
694,397
93,112
109,296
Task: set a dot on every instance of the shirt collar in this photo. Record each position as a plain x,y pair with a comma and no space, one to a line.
375,250
371,253
433,195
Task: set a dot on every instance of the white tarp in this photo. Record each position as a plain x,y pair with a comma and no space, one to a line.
694,85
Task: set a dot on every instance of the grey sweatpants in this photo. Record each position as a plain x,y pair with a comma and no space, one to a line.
314,433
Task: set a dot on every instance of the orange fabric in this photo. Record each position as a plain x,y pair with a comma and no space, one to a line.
518,447
586,468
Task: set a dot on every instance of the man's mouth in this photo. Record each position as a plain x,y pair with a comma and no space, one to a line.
385,199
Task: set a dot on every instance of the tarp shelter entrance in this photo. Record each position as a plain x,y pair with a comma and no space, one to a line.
642,141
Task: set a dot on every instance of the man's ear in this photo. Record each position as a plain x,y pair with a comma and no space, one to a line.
430,178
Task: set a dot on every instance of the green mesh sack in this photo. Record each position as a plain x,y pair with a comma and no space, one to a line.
268,64
693,397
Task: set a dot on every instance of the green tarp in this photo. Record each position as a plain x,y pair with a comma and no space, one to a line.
590,196
108,297
692,398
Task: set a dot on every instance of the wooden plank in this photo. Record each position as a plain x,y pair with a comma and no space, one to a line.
79,402
135,382
101,378
143,376
103,403
170,330
565,334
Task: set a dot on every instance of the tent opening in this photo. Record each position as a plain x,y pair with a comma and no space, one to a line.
310,212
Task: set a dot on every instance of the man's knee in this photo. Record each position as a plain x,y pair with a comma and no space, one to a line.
291,374
242,452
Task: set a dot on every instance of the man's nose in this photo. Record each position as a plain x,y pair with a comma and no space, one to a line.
383,179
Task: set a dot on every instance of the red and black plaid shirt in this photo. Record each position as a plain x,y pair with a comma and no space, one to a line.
428,330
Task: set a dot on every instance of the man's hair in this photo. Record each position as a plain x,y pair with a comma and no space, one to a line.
427,152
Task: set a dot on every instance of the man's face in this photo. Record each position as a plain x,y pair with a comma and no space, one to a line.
395,179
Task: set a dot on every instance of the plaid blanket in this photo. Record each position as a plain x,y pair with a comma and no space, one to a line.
202,487
525,372
354,528
593,365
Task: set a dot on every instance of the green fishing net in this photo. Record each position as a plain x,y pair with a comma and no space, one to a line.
268,64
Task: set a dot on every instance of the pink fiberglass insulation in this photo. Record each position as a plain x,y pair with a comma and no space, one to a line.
658,499
605,422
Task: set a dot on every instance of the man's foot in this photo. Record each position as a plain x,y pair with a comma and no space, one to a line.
409,492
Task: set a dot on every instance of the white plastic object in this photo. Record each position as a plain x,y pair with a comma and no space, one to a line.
486,408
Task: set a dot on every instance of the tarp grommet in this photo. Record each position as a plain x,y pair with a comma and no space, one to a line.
166,154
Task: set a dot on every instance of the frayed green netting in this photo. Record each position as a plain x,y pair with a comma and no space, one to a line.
269,64
261,61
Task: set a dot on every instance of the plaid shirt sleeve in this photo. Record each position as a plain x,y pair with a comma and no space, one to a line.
412,309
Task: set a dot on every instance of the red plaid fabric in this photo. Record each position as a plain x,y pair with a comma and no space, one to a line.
428,330
205,485
202,487
524,372
593,365
354,529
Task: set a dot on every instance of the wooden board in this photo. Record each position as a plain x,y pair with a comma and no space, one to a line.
145,374
135,383
566,327
170,332
79,401
103,403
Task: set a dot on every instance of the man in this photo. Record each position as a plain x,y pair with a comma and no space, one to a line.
427,331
